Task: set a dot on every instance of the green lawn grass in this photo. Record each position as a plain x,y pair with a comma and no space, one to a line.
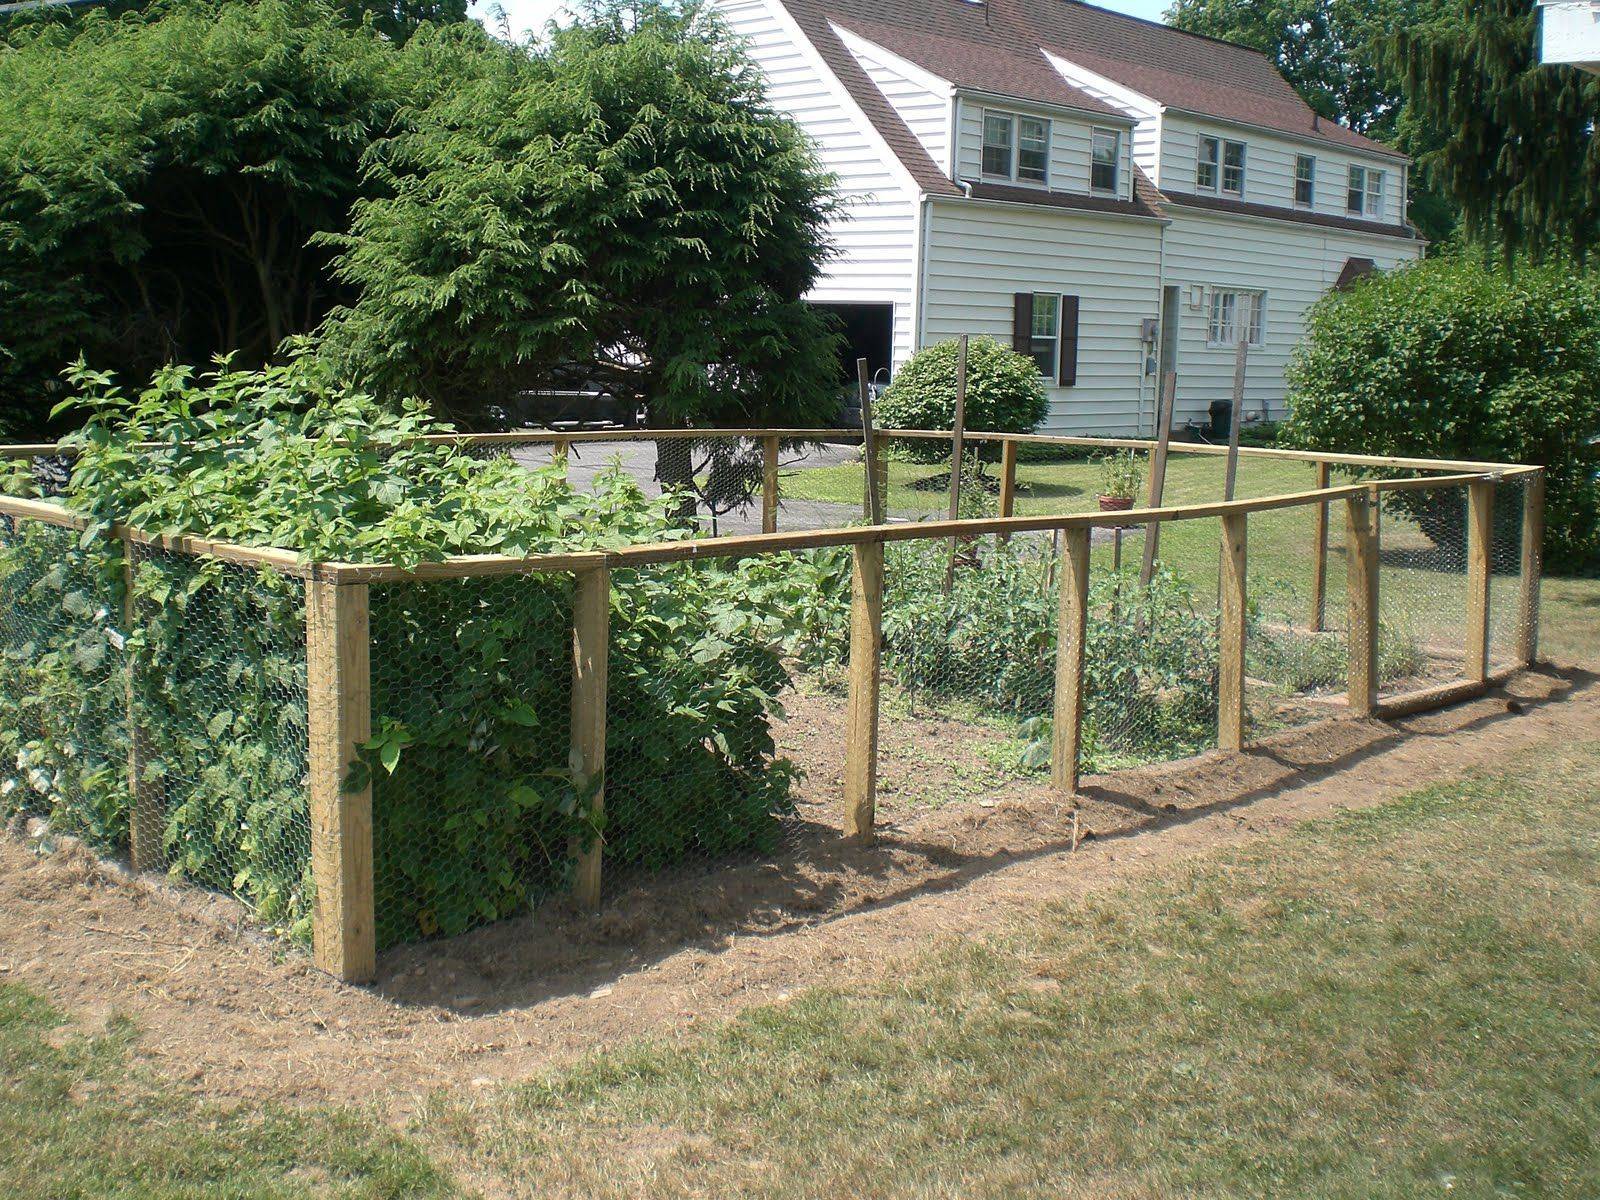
1389,1004
76,1120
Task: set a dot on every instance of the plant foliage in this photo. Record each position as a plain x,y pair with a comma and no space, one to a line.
1005,394
1453,359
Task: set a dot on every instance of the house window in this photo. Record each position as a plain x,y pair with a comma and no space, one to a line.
1044,344
997,144
1205,175
1105,160
1233,168
1016,147
1305,181
1233,310
1365,194
1033,149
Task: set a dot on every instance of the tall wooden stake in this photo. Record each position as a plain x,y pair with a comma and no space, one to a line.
339,695
1230,688
958,435
1361,558
1319,560
861,721
1241,359
591,650
1008,481
769,485
1066,730
870,450
1158,476
1532,569
1480,544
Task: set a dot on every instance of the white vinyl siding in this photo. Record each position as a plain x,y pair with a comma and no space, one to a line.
876,230
1270,169
981,255
1292,265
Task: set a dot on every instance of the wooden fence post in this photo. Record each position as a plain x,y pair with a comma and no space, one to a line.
861,731
1158,478
1361,557
1230,682
769,485
145,818
339,695
1008,481
1480,547
1319,561
1066,729
957,445
591,649
873,502
1532,569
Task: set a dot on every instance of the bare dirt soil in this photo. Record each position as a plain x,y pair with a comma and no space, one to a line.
242,1017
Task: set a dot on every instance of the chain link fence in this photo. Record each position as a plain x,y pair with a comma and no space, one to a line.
178,719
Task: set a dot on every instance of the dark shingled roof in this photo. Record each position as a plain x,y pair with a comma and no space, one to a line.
1272,212
999,47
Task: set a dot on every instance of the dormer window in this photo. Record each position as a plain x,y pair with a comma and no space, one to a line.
1106,161
1220,166
1016,147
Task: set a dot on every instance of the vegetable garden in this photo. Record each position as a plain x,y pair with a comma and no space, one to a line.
380,681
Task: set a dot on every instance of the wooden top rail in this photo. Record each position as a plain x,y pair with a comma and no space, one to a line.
851,436
741,546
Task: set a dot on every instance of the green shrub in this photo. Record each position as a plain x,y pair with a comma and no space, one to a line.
475,808
1005,394
1452,359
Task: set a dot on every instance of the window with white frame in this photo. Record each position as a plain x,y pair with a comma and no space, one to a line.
1233,168
1305,181
1044,346
1105,161
1365,193
1016,147
999,141
1233,312
1209,164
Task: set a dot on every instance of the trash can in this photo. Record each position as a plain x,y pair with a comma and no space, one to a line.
1221,419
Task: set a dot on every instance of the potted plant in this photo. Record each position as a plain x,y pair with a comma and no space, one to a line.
1124,473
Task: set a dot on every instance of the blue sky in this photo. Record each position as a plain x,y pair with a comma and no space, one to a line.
532,14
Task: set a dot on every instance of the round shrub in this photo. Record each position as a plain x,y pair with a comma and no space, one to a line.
1454,359
1005,394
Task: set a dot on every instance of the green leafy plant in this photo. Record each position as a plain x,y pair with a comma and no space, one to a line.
1123,474
476,812
1453,359
1005,394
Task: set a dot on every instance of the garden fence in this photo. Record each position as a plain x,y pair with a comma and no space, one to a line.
365,754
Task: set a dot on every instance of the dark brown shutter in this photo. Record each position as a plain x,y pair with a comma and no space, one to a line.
1069,341
1022,322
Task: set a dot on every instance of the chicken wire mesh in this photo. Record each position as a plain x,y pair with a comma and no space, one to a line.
63,681
1506,616
219,702
475,816
1422,592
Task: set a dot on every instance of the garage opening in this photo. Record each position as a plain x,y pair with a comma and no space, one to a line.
868,331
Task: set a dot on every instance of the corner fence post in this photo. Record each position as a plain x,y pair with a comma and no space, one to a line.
1319,562
591,650
1361,555
1066,726
339,695
144,813
769,485
1230,674
1532,569
861,721
1480,542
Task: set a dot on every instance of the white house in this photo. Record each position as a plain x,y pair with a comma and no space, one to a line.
1115,197
1569,33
